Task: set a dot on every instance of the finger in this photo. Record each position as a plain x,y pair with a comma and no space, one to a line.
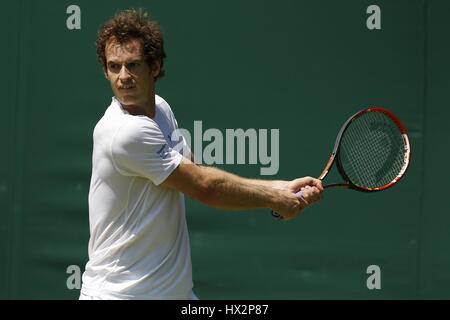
318,184
306,188
320,194
316,194
312,194
304,181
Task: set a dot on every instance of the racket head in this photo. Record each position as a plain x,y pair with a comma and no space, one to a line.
372,151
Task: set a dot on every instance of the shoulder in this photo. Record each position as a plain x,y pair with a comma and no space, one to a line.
137,129
163,105
161,101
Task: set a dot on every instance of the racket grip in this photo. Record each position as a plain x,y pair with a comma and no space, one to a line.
277,215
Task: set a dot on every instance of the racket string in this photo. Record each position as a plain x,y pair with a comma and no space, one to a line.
372,174
372,150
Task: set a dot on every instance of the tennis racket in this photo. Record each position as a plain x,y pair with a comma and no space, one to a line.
371,152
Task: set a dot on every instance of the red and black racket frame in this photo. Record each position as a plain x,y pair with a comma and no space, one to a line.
335,154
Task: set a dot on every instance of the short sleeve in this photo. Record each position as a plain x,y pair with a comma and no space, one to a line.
182,145
139,149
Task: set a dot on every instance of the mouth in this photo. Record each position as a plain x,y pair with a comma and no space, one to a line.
127,87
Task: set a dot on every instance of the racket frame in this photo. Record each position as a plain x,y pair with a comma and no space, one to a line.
335,154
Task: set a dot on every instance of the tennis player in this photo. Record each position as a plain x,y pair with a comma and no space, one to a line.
139,243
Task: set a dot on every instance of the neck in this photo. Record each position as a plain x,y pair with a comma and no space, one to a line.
146,109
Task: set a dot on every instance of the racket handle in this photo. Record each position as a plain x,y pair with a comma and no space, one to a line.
277,215
299,195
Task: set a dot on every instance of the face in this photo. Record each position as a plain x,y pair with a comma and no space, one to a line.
132,80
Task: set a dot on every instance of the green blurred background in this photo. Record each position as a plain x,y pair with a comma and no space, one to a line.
300,66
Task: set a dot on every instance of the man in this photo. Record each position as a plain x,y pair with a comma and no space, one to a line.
139,243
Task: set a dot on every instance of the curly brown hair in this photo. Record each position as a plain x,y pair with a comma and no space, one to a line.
133,24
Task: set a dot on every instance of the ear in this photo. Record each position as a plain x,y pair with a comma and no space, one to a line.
105,73
156,69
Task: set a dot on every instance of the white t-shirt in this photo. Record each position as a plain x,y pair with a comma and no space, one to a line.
139,242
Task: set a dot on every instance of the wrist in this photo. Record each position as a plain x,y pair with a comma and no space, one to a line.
276,202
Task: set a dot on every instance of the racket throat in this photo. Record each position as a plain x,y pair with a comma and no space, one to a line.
338,186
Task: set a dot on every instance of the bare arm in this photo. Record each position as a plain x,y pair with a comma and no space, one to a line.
224,190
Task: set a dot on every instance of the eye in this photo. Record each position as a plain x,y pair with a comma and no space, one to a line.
132,65
113,66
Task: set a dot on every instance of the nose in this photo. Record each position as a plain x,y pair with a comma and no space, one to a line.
124,74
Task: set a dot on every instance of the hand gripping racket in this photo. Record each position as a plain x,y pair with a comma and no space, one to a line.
371,152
